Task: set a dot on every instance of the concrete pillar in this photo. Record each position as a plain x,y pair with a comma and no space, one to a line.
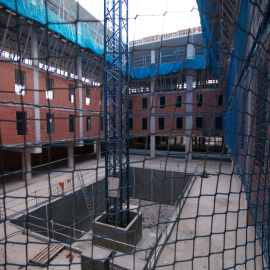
189,117
70,156
34,52
26,166
97,149
153,117
189,105
203,141
79,73
152,146
190,51
233,168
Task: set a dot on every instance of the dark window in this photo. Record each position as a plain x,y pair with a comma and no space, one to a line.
130,107
21,123
131,123
179,122
219,99
88,96
49,88
50,122
161,123
144,123
218,123
199,100
162,102
71,92
144,103
19,82
101,123
88,123
179,102
199,122
71,122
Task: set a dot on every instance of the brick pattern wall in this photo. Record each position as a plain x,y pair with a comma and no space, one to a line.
208,111
60,107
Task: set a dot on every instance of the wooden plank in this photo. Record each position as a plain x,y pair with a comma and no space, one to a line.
43,254
50,252
46,254
54,252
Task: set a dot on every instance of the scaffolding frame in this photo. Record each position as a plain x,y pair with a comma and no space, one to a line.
116,110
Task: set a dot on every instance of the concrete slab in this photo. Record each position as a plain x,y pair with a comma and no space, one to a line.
212,231
16,249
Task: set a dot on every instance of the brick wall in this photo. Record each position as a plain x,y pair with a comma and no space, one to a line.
7,86
60,107
8,125
208,111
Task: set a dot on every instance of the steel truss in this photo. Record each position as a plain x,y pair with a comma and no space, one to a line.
116,111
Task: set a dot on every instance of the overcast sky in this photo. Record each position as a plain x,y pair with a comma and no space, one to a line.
153,17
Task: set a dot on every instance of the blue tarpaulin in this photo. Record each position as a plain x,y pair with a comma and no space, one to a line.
198,62
207,11
40,12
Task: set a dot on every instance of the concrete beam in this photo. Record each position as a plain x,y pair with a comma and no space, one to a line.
31,150
79,143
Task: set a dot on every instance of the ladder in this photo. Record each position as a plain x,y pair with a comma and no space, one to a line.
85,194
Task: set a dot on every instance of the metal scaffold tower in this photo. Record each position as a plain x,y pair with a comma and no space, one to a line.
116,111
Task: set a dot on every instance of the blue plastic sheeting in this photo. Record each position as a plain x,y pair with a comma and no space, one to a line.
207,10
199,62
233,121
246,121
38,11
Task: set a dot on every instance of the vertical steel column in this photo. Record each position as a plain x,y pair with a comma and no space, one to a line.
116,109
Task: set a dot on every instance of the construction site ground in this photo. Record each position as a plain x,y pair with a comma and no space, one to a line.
214,218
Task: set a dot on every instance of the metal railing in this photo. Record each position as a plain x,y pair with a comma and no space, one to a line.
16,205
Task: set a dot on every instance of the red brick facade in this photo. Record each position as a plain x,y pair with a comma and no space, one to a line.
60,107
209,111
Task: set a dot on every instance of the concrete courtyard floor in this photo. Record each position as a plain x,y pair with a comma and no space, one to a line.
212,231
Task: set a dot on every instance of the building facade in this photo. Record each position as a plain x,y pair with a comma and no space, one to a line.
52,102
